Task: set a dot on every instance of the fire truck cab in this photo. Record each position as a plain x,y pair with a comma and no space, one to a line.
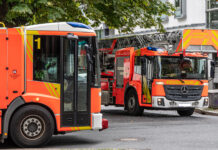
50,82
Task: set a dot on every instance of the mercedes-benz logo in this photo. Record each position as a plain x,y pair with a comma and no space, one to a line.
184,90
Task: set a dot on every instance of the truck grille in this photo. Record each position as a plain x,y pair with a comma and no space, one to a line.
183,92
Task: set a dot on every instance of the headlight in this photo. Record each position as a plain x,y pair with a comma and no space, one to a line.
160,101
206,101
159,83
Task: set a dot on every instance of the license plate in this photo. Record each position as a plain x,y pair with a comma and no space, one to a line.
185,105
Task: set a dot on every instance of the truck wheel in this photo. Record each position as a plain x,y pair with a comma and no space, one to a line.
186,112
133,107
31,126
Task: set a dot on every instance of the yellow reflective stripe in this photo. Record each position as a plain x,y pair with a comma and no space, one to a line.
215,34
33,32
29,52
185,82
215,42
81,128
186,42
57,88
186,33
205,42
48,89
180,47
52,89
29,55
30,49
85,128
20,31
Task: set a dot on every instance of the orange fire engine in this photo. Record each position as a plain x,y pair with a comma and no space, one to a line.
50,82
154,78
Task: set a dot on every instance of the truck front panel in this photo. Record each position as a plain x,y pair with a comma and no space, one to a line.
179,93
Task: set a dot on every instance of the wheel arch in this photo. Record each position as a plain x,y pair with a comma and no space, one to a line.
17,104
127,89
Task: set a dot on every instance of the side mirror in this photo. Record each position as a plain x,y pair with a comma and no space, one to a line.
181,56
212,69
144,70
72,36
89,57
143,64
88,53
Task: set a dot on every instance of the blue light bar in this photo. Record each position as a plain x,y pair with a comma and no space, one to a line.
152,48
78,25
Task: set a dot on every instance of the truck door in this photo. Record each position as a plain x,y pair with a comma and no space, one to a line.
146,80
75,83
122,75
3,61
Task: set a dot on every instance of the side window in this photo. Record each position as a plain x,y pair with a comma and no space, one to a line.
46,58
119,71
137,66
180,9
164,18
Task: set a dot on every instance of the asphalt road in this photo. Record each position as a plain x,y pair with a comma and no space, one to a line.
155,130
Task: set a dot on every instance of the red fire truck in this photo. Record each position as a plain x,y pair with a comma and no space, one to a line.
154,78
50,82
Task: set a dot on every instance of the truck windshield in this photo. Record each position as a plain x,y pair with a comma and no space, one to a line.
177,68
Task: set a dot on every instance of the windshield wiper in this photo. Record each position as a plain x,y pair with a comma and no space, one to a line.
200,80
181,80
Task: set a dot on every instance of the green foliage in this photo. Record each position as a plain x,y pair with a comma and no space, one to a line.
124,15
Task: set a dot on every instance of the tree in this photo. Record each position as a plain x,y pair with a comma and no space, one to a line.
124,15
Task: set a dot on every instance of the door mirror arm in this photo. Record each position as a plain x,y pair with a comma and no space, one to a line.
89,57
212,69
72,36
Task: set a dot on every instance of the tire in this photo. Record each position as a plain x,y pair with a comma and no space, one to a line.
186,112
133,107
31,126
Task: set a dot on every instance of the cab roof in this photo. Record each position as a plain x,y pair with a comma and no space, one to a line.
61,26
152,51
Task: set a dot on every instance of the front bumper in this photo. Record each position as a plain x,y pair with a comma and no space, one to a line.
98,123
173,104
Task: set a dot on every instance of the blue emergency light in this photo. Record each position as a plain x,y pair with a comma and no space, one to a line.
78,25
152,48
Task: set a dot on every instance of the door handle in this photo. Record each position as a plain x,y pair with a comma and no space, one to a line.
69,119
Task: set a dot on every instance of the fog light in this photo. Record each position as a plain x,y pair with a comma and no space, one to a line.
206,102
160,101
195,103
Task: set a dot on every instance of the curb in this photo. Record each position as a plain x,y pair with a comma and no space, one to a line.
206,112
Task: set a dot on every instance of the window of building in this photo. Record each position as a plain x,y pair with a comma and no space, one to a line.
164,18
212,4
107,32
180,9
98,33
46,58
212,14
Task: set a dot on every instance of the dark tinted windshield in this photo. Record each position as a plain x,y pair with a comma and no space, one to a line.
174,68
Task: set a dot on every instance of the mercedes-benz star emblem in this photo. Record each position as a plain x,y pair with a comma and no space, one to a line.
184,90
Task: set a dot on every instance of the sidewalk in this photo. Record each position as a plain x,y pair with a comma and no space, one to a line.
207,111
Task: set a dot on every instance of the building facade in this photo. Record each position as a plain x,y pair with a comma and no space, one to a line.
194,14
